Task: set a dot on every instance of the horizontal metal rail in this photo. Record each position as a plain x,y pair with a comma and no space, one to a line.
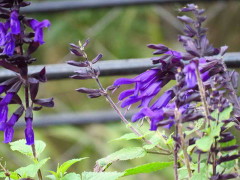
76,118
108,67
56,6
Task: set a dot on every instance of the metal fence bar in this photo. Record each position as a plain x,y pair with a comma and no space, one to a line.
56,6
109,67
76,118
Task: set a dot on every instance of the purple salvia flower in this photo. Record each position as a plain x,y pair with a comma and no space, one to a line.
3,117
163,100
38,26
9,45
29,134
8,134
191,78
9,130
15,23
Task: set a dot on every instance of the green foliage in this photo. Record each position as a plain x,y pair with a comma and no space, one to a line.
127,137
32,169
2,175
122,155
101,175
155,139
21,147
61,170
71,176
202,175
212,133
147,168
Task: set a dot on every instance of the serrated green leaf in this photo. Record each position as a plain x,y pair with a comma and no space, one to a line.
66,165
147,168
21,147
127,137
122,155
101,175
32,169
71,176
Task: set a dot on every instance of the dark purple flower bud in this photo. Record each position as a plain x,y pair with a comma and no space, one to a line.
38,26
226,138
78,64
76,52
186,19
97,58
158,46
84,76
34,86
224,176
88,91
223,50
189,7
86,43
74,46
229,148
45,102
15,23
227,158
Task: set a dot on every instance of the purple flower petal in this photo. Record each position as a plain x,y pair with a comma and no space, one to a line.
7,99
129,101
163,100
29,134
3,113
9,45
8,134
38,26
125,94
14,23
122,81
191,78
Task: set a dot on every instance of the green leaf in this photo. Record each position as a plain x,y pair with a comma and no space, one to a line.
32,169
127,137
202,175
66,165
21,147
52,177
155,139
122,155
71,176
205,143
197,126
101,175
14,175
147,168
226,113
2,174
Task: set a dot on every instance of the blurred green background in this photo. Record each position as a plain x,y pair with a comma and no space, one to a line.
118,33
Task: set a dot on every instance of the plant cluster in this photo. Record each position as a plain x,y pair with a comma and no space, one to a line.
201,107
